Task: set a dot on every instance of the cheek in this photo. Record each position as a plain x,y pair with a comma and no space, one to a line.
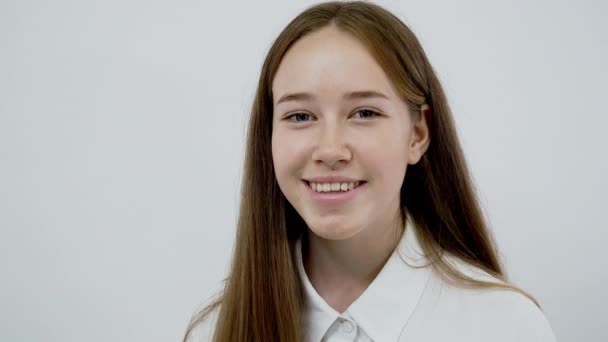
386,153
288,153
278,152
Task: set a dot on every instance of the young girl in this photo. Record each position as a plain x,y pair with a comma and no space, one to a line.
358,217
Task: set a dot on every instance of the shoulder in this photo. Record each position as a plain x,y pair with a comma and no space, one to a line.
504,313
483,314
203,329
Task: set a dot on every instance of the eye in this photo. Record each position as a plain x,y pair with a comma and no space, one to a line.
367,113
297,117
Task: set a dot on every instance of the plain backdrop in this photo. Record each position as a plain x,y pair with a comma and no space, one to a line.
122,136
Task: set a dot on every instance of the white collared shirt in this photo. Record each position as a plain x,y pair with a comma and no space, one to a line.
411,302
407,303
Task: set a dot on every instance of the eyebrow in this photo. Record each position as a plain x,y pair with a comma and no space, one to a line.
362,94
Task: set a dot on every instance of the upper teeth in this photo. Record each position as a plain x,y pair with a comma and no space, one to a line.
327,187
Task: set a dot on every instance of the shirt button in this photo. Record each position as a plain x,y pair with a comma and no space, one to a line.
347,327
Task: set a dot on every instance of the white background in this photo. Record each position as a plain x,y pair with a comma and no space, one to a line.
122,135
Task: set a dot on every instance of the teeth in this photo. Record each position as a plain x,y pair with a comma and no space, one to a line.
333,187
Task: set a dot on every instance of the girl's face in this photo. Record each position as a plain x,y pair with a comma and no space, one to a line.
336,114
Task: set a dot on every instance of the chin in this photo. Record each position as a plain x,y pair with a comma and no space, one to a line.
333,232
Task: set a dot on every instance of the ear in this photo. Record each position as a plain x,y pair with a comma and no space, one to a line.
419,136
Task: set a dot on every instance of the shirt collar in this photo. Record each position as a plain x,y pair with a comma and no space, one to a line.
384,308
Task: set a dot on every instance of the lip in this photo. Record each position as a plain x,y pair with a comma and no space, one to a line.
333,198
332,179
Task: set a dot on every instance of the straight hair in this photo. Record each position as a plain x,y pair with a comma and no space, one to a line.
262,294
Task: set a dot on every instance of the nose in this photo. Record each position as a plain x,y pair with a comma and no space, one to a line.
331,149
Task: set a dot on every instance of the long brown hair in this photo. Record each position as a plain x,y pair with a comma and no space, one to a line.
262,295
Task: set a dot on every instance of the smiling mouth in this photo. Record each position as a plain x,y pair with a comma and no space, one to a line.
333,187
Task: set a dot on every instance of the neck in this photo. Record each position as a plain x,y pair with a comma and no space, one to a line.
341,270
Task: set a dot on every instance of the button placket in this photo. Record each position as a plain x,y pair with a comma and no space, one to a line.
347,327
342,330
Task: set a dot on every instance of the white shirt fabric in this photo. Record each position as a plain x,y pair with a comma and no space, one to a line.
408,301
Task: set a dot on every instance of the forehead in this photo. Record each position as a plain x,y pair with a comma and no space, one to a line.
329,61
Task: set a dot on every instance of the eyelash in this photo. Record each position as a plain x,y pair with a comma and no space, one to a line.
362,110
